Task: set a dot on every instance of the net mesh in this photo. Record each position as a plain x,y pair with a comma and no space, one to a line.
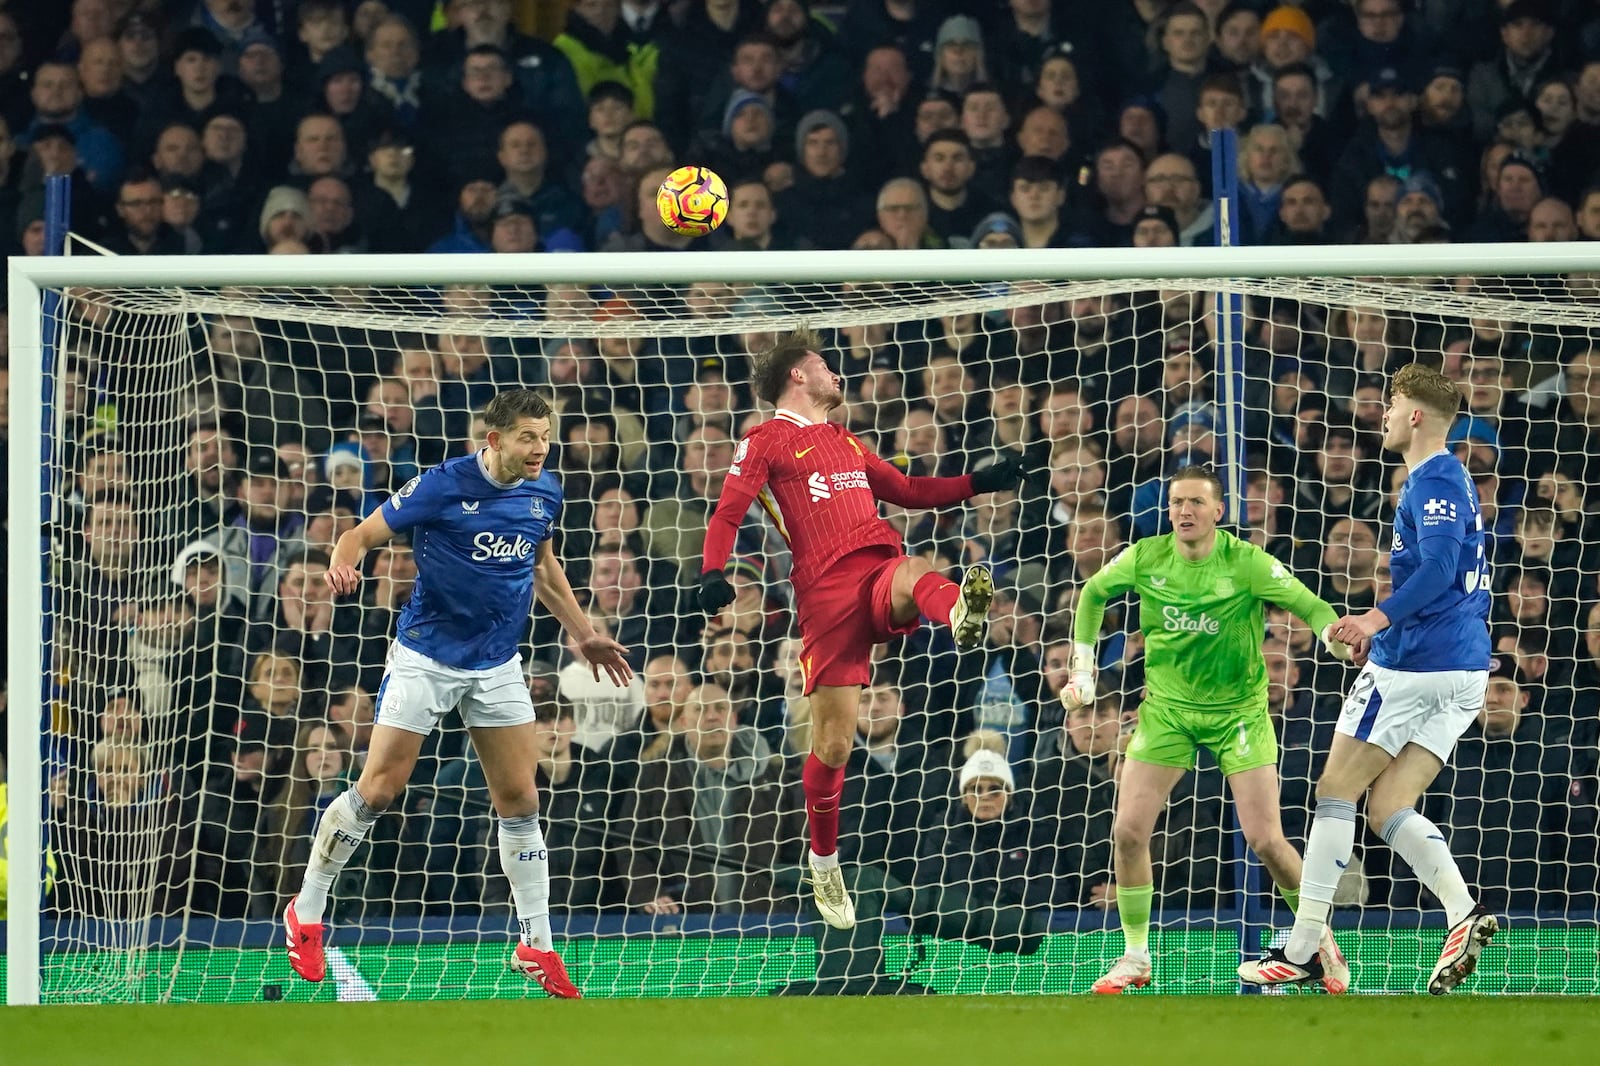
210,696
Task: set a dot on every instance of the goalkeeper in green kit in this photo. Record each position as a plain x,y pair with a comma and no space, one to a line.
1201,592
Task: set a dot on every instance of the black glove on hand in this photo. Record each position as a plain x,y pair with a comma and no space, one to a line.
1006,472
714,592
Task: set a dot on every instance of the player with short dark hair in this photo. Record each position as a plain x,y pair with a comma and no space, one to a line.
481,527
854,585
1200,591
1425,667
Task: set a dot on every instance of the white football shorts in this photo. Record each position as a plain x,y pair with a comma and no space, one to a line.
1393,708
418,691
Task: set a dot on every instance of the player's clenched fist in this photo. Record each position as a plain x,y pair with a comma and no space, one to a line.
343,579
1079,690
714,592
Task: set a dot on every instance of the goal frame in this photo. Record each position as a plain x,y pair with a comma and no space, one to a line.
31,279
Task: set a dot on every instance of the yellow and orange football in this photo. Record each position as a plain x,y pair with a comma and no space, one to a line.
693,201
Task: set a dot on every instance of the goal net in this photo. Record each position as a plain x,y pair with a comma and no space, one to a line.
202,696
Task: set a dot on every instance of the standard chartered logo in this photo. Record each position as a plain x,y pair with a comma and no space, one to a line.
1178,621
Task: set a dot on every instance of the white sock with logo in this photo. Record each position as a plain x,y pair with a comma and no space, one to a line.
343,827
1423,847
1328,848
526,861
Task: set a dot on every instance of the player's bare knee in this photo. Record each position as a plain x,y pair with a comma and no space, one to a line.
1268,845
378,791
1129,836
830,750
516,804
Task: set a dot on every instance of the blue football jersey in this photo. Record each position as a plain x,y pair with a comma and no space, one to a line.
1437,624
475,543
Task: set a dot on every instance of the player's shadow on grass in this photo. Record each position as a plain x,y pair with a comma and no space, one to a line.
853,963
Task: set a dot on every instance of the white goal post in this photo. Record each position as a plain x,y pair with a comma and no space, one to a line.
1415,280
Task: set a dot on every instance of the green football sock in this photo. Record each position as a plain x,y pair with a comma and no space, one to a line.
1133,907
1291,896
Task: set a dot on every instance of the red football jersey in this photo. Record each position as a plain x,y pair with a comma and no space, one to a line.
821,487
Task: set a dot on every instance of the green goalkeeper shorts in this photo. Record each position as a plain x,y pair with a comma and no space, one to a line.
1239,740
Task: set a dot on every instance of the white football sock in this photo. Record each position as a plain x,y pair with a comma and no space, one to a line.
1423,847
526,861
343,827
1328,849
823,862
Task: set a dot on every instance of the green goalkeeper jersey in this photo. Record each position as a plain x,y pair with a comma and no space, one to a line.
1202,621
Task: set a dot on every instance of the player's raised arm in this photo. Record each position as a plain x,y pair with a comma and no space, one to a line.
890,485
1115,578
745,479
344,566
1271,581
550,584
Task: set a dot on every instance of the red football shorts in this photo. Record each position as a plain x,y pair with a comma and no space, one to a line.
844,613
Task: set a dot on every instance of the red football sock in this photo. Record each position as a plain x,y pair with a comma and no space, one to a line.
936,596
823,786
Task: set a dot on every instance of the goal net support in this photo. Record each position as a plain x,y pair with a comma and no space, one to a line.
185,696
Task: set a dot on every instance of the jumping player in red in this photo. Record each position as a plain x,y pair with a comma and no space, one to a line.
854,585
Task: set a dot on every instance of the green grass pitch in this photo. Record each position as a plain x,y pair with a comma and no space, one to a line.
925,1031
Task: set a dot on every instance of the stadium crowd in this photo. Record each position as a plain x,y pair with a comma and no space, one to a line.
214,696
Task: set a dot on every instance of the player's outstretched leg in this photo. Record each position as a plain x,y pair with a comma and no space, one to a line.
969,618
526,861
1462,947
343,827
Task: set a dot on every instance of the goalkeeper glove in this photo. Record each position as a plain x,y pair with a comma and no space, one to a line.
1336,648
714,592
1005,472
1079,691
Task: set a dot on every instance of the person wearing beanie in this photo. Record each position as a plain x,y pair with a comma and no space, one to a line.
1518,185
1289,41
825,193
1156,227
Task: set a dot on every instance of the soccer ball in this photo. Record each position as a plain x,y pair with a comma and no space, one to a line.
693,201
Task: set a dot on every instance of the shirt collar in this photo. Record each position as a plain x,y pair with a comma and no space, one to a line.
788,415
483,468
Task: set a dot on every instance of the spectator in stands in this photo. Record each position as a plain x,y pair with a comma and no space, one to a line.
100,73
1185,42
1549,683
903,215
825,194
954,207
667,687
109,575
1573,434
1037,201
1170,181
1525,57
474,218
1552,220
1303,213
1391,104
353,709
710,822
1073,786
120,794
598,44
618,593
462,128
985,120
333,220
544,76
1517,188
1118,195
1335,485
395,211
524,158
576,787
1347,575
883,114
321,768
813,66
705,41
231,793
975,862
57,97
896,773
393,73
